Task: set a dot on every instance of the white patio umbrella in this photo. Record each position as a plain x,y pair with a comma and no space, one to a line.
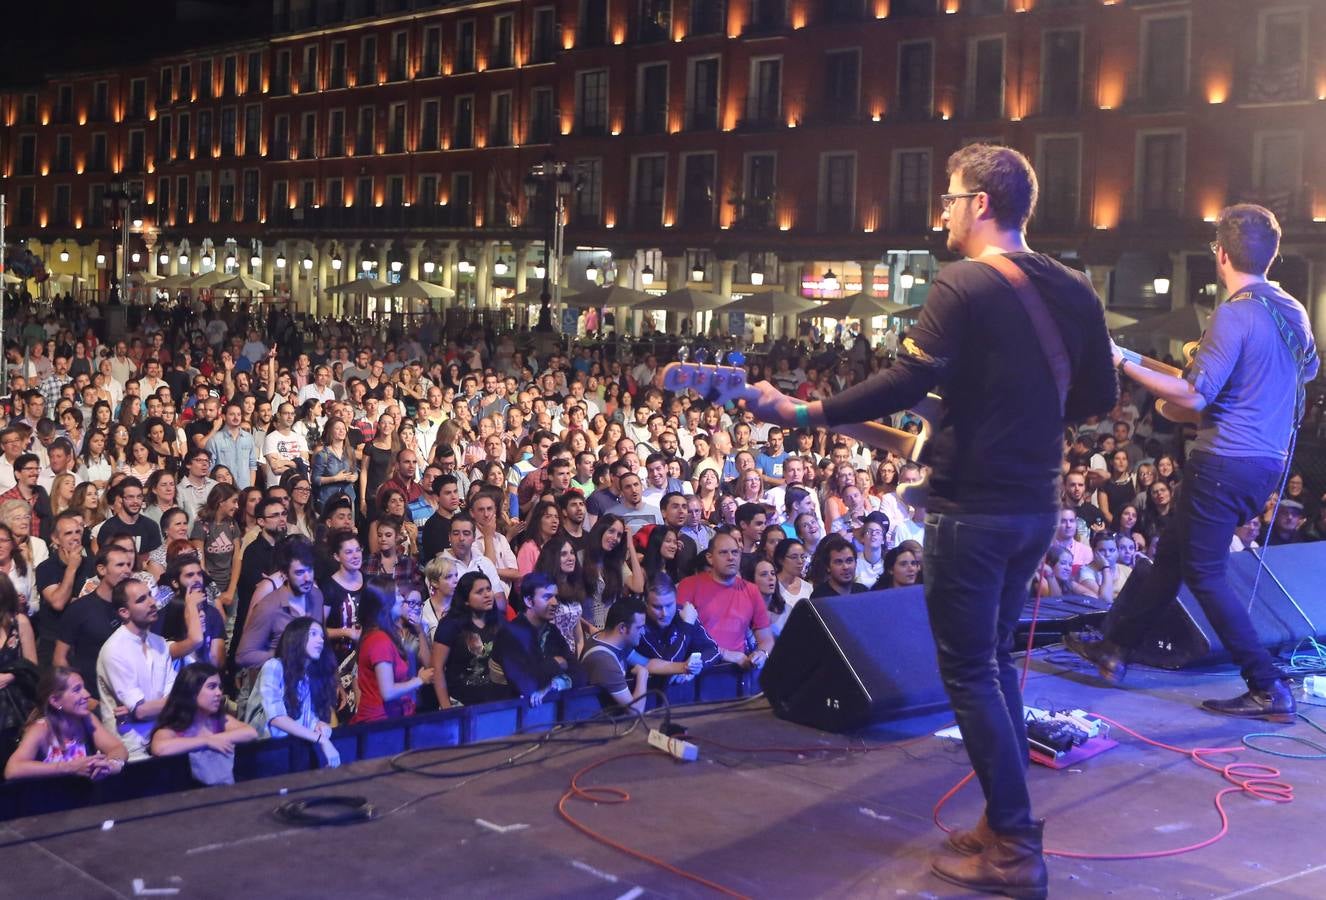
684,300
365,284
243,283
608,295
414,289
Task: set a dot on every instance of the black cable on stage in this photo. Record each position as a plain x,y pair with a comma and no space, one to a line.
328,809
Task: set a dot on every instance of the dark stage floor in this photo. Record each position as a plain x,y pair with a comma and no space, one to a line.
813,825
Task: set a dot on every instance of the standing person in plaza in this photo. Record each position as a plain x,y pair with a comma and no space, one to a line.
992,505
1247,382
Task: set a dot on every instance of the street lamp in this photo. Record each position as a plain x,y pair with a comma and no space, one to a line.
337,262
231,261
697,272
365,265
906,281
184,260
540,270
557,177
1160,284
830,281
757,276
592,272
396,265
135,257
500,268
64,256
101,260
307,263
647,275
164,258
429,267
119,201
280,260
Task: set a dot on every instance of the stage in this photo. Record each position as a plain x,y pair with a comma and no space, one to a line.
810,824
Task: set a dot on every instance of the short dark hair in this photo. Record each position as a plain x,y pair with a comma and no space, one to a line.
529,585
560,463
460,518
1250,236
1002,174
623,612
660,584
26,459
120,593
747,512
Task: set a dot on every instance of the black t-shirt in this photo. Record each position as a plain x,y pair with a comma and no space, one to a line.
198,428
170,624
434,537
46,623
1089,513
85,625
999,445
824,589
342,608
145,532
467,674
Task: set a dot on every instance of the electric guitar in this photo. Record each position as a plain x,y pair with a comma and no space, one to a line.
1171,411
727,383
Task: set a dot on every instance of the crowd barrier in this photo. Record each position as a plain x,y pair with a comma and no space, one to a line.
280,756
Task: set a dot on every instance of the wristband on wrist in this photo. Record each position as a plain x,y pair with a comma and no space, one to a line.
802,415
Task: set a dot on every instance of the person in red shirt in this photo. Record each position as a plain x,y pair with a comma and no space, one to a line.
727,605
386,689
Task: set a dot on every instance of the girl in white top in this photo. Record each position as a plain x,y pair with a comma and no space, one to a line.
791,588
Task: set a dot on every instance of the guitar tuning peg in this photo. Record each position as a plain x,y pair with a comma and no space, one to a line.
683,353
736,359
701,355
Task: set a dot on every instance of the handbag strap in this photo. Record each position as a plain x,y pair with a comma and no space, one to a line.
1051,340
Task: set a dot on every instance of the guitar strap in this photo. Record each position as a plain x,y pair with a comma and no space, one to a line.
1051,340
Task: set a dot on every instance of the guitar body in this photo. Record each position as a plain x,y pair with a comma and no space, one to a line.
1171,411
722,384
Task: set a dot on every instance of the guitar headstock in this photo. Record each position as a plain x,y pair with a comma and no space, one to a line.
715,384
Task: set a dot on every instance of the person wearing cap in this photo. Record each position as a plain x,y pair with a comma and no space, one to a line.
1287,527
871,544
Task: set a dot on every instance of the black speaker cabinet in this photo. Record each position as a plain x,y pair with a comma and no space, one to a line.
842,663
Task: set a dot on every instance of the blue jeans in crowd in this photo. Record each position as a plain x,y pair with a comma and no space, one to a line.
1219,493
978,572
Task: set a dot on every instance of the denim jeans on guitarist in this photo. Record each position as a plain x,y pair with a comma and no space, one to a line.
978,572
1219,494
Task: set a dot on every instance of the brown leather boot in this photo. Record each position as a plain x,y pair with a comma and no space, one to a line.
972,840
1012,864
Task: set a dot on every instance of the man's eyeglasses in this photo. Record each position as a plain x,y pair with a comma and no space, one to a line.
948,200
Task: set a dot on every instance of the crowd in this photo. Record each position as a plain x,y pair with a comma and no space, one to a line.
211,536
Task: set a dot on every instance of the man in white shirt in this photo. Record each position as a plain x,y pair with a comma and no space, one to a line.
152,381
320,388
134,670
462,555
283,448
194,487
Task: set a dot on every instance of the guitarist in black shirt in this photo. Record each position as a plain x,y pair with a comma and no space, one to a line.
995,488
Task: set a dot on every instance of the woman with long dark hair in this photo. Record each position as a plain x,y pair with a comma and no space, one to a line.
611,567
195,718
63,736
386,686
558,558
463,644
95,464
661,553
216,534
334,471
140,460
789,560
902,568
297,688
541,525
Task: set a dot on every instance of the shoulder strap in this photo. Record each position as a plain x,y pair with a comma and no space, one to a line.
1051,341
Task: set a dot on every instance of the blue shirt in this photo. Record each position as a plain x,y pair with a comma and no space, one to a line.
1250,380
771,466
238,454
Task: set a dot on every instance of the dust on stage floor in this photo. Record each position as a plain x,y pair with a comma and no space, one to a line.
819,822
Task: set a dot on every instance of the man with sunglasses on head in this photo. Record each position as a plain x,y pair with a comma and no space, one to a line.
993,502
1247,384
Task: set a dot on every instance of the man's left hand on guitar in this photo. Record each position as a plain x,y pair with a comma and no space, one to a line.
1116,353
772,405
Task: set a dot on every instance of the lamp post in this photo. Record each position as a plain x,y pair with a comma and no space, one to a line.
558,177
119,200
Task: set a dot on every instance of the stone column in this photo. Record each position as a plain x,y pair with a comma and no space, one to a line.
1178,282
294,271
322,306
791,280
447,263
483,275
1100,280
268,266
150,245
520,266
349,272
868,276
172,258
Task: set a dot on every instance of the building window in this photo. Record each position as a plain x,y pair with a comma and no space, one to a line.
916,69
183,143
63,200
27,154
708,17
336,132
1164,61
308,194
204,78
253,81
544,38
396,128
767,16
249,196
593,31
764,103
648,186
229,127
1160,170
28,114
138,98
427,193
225,197
842,84
368,60
429,124
911,190
252,129
913,7
400,54
589,199
98,157
653,21
364,143
165,214
336,68
308,134
100,102
462,198
542,116
395,190
699,179
432,61
280,145
164,134
334,195
837,11
465,46
165,86
499,125
702,93
137,161
96,206
186,83
278,201
1277,173
281,74
592,102
64,153
756,207
308,73
1061,72
364,191
202,198
27,205
503,55
462,123
651,99
205,132
181,199
985,78
1058,169
1282,56
229,76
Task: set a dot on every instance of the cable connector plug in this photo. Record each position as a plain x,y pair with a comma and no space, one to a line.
682,750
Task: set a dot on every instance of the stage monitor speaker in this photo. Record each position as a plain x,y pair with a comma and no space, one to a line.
846,662
1290,606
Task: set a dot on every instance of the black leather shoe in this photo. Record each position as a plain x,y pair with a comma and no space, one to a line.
1274,704
1106,656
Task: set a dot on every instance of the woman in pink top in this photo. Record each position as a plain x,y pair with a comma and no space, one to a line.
541,526
63,737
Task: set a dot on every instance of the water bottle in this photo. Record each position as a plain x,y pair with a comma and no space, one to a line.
1315,685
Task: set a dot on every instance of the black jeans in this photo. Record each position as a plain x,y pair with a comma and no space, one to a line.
978,571
1219,493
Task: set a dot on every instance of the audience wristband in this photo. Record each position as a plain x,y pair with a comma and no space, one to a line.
803,415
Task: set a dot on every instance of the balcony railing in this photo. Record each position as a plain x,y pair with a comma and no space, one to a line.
1273,83
332,217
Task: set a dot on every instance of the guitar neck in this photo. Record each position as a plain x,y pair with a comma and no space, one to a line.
882,437
1147,362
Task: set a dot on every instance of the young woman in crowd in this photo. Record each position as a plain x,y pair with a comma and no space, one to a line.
440,577
1159,510
1117,493
707,489
117,448
141,460
303,518
610,566
95,465
463,644
1100,576
174,527
64,736
661,549
333,471
835,504
216,534
297,689
543,523
1055,578
194,721
343,591
559,559
375,463
62,493
18,653
386,686
870,545
156,438
902,567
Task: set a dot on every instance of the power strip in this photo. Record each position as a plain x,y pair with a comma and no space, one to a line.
676,747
